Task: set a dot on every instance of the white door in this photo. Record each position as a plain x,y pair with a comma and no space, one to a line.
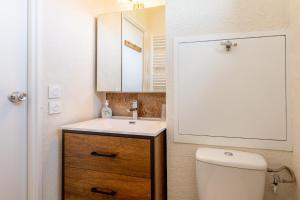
13,117
132,59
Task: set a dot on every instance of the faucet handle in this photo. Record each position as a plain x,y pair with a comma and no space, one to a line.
135,104
134,109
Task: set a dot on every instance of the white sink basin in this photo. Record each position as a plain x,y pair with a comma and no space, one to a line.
120,126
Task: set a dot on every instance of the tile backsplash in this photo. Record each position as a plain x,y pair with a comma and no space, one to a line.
150,104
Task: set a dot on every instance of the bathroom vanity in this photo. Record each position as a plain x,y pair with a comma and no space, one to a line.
114,159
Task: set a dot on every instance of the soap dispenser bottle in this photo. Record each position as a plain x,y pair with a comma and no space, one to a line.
106,111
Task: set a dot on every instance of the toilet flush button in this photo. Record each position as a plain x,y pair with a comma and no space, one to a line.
228,154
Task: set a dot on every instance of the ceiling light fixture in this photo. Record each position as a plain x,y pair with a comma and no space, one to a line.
137,4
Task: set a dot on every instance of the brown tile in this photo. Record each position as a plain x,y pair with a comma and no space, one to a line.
120,102
150,103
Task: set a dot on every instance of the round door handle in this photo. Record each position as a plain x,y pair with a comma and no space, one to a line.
17,97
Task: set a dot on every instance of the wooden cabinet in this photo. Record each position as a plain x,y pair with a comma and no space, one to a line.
98,166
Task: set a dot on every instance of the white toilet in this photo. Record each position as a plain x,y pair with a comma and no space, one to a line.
230,175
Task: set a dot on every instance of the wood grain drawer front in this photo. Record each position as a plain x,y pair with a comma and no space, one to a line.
81,184
126,156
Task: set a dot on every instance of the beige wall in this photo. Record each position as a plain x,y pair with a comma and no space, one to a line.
68,49
157,21
295,33
194,17
68,59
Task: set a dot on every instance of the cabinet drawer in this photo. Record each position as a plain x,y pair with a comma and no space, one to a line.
81,184
119,155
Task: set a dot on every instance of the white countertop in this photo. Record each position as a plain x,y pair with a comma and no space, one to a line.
120,126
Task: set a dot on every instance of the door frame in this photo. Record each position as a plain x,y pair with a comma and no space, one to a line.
35,107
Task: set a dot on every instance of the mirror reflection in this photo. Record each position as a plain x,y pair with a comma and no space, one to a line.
132,51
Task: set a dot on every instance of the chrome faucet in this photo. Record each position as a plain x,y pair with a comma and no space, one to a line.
134,109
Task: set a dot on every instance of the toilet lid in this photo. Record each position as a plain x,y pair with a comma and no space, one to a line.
231,158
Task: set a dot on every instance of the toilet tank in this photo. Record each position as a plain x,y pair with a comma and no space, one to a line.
230,175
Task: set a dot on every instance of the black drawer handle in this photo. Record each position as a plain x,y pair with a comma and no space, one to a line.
107,155
105,192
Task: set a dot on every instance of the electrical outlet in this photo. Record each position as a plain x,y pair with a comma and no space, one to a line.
55,107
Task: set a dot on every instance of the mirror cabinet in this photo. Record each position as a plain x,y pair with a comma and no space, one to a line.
131,51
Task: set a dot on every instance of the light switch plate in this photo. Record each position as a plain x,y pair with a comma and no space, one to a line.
55,107
54,92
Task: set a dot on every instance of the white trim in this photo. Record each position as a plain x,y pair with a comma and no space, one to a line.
194,38
286,145
34,105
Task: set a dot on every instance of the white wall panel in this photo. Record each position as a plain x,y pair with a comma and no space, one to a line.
237,94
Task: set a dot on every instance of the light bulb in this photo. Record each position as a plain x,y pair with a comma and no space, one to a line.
138,4
124,1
